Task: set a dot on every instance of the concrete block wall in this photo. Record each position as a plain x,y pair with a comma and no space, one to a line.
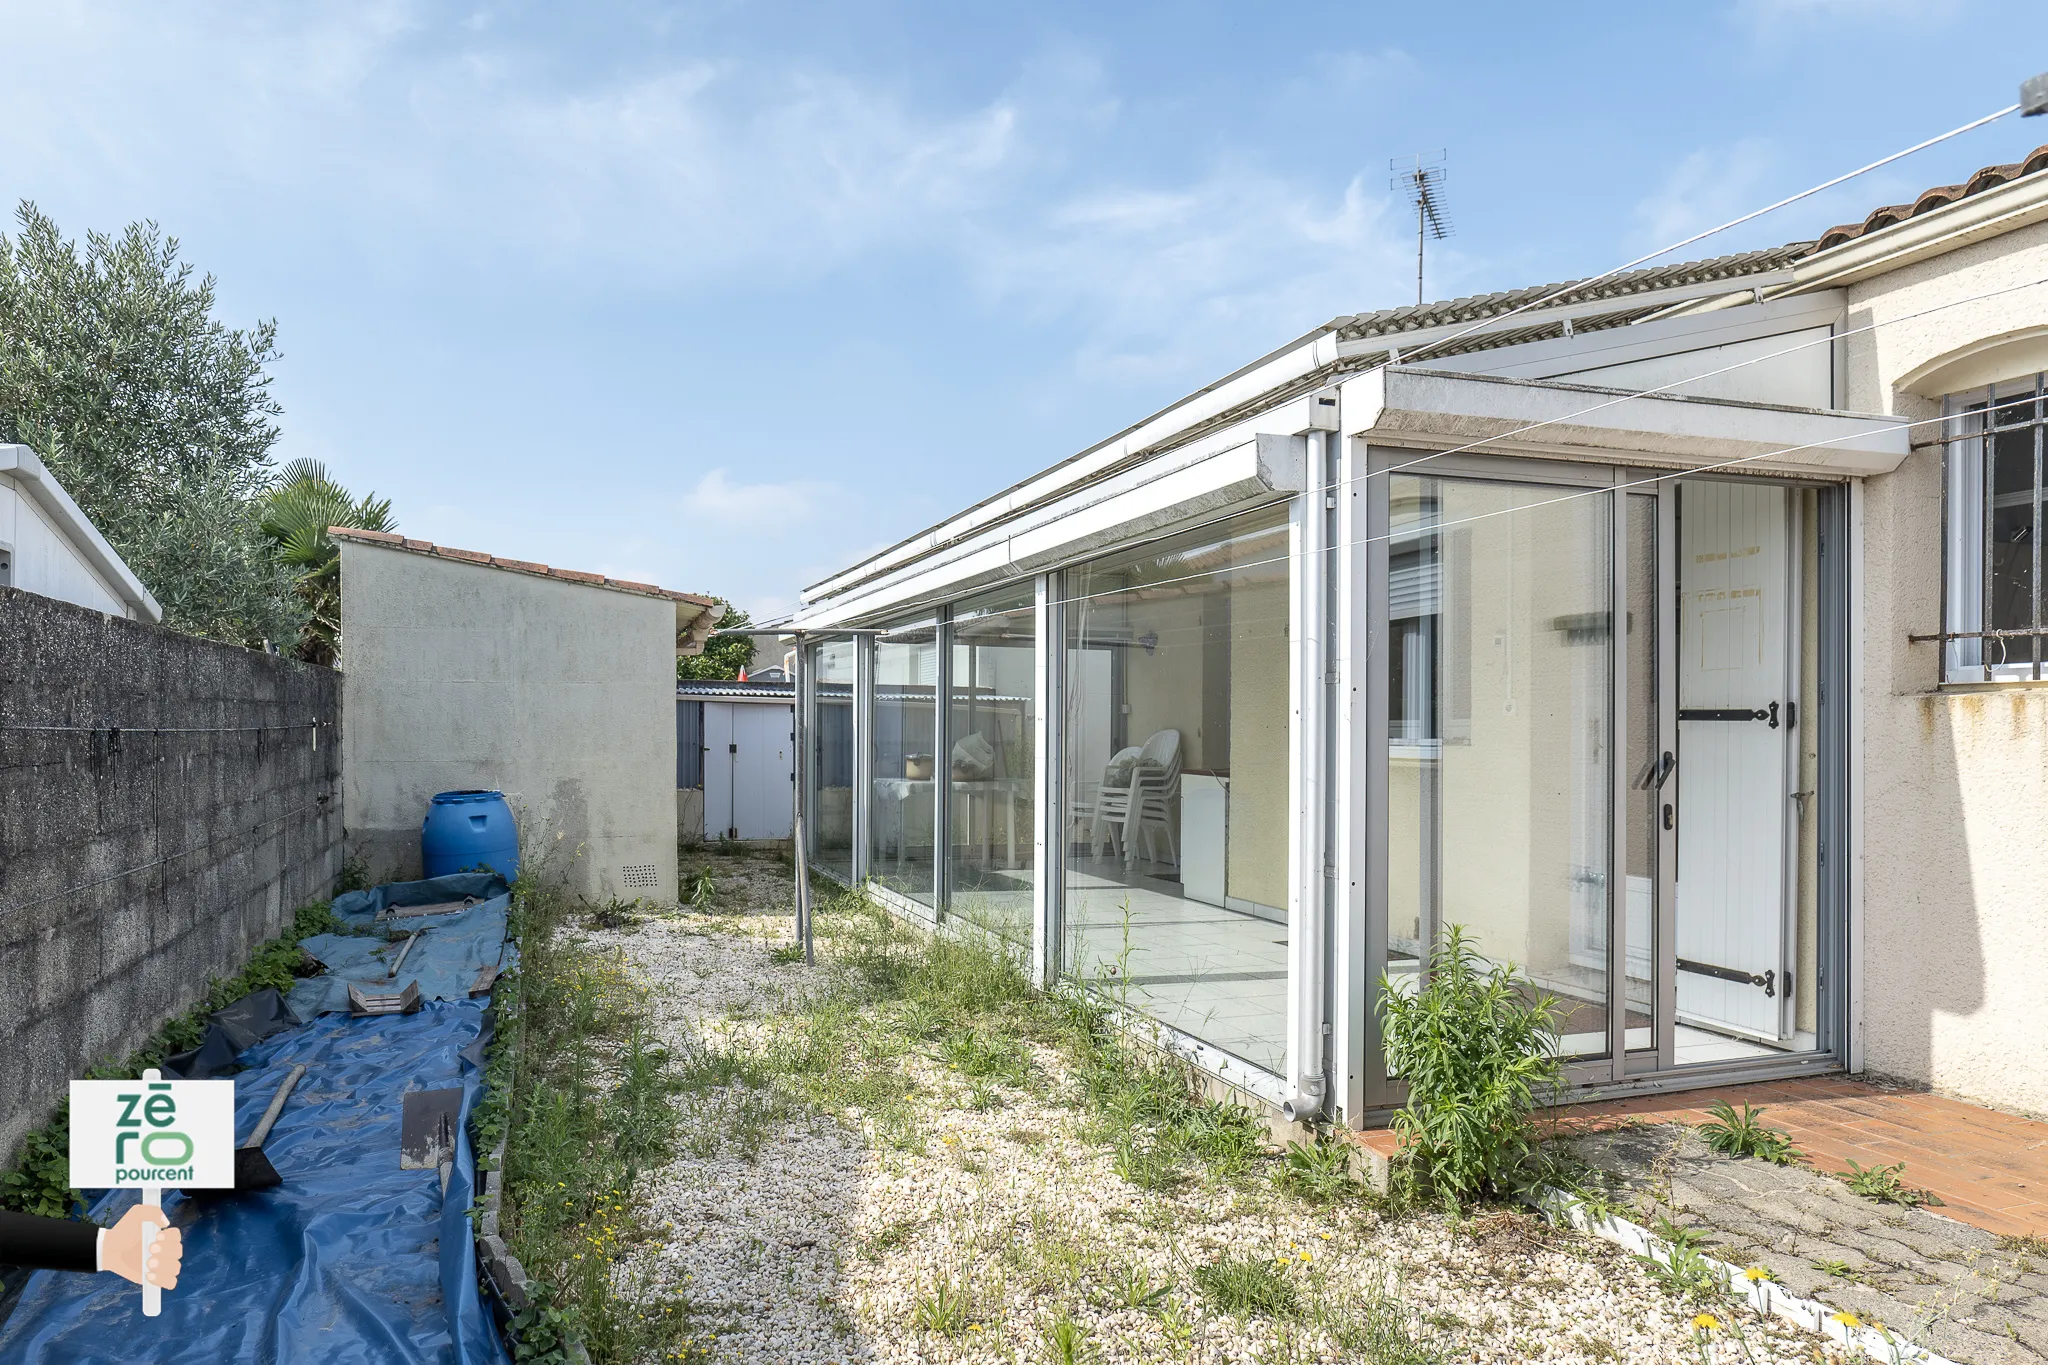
164,807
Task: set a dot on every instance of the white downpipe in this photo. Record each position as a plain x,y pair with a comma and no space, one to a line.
1307,664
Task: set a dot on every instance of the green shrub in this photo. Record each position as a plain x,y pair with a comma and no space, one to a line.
1477,1048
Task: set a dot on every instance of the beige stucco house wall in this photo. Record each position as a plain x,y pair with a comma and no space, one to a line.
1954,783
556,688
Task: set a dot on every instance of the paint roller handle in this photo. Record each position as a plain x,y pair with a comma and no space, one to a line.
152,1296
263,1124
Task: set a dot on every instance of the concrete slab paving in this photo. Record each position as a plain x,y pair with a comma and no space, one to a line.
1962,1291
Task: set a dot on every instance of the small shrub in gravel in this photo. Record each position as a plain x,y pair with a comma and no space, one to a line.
1477,1047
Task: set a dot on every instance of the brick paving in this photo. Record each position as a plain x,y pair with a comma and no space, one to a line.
1989,1169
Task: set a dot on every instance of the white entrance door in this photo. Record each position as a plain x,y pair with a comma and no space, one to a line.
763,770
1736,685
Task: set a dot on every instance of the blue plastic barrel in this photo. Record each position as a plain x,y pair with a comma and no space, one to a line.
469,831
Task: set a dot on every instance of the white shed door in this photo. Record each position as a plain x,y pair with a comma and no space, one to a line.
718,769
1735,725
763,770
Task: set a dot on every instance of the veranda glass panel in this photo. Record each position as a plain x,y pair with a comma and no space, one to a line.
831,794
902,802
1500,683
1176,782
992,696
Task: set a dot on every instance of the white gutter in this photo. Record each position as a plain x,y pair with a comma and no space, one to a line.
2015,204
28,473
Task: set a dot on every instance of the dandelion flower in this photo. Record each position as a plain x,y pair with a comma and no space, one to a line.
1756,1273
1848,1319
1706,1322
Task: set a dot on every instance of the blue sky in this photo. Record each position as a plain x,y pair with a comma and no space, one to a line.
729,295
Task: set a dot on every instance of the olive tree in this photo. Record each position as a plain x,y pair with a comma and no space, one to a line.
155,415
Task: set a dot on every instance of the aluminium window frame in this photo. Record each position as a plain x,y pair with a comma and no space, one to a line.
1967,432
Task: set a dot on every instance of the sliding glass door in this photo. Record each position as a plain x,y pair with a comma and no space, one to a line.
1605,754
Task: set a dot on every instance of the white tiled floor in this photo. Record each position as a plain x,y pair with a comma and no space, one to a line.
1215,974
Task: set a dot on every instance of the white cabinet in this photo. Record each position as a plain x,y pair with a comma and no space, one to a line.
1204,831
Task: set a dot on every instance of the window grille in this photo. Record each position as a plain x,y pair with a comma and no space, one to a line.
1992,623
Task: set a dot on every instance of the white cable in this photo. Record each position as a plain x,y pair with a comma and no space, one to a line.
1576,285
1830,339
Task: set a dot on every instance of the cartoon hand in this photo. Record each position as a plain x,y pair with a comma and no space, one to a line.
121,1252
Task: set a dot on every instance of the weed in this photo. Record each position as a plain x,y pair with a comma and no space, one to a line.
1247,1285
355,876
1478,1050
1745,1134
1687,1274
1319,1172
1678,1236
786,954
1371,1324
615,913
1840,1270
2023,1244
987,1056
890,1237
1886,1185
592,1103
943,1308
1065,1341
700,889
1133,1287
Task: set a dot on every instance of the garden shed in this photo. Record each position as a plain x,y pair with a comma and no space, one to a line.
735,759
466,670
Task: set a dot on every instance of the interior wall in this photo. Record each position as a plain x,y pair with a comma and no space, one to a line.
1256,869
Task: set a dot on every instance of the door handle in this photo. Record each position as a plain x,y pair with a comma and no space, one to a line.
1666,766
1768,714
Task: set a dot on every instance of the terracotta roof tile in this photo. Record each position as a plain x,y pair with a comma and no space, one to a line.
700,627
1941,196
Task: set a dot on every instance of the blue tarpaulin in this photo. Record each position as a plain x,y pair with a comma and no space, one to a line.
452,948
351,1261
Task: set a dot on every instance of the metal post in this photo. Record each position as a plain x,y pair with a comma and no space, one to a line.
799,841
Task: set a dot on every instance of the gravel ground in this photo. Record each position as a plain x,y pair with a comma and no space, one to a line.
819,1245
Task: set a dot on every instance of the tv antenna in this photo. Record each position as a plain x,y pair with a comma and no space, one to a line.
1422,179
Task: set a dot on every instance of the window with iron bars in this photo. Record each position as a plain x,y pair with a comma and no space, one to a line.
1993,627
